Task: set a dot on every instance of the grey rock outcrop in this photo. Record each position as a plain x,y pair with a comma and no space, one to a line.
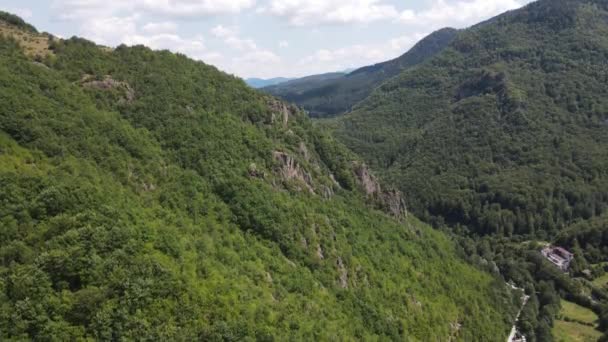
108,83
281,111
390,200
343,273
290,169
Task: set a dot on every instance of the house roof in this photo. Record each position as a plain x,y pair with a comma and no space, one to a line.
563,251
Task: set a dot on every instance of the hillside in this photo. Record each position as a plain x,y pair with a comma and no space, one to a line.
329,96
146,196
502,140
307,83
506,131
310,85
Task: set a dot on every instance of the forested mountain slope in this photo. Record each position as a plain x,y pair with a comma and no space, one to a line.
502,139
146,196
323,97
506,131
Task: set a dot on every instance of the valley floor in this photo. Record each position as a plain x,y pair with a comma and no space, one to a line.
575,324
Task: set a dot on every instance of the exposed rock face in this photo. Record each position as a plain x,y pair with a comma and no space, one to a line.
304,242
395,203
333,179
327,192
108,83
454,331
304,151
390,200
254,172
290,169
148,187
281,111
42,65
320,254
343,273
366,179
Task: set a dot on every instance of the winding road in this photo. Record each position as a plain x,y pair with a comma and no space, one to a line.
514,328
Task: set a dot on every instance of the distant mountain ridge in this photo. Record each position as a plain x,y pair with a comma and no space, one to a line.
329,96
261,82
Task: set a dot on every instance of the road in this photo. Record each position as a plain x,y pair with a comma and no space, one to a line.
514,328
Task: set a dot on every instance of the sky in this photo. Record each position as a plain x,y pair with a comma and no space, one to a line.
261,38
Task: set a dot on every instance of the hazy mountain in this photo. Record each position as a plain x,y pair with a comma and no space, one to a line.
323,97
261,83
306,83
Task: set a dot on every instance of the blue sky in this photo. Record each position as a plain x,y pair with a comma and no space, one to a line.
261,38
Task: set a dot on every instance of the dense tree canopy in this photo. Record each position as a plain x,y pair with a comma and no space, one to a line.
502,140
506,131
146,196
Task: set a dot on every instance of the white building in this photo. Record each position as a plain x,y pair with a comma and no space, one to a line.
558,256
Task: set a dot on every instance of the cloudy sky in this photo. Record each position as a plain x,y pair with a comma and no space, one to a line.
261,38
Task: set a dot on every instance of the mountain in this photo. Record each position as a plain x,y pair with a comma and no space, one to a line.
513,112
502,139
323,97
147,196
294,82
261,83
305,84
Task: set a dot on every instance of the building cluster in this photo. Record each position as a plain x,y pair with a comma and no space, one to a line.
558,256
519,337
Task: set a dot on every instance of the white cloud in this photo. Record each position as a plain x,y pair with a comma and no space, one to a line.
249,57
311,12
230,37
357,55
113,31
258,57
24,13
85,9
241,44
439,13
404,43
194,47
223,32
155,23
162,27
342,56
109,30
195,7
460,13
79,9
260,63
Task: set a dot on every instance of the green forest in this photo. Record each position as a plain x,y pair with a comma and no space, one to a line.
501,140
508,125
147,196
